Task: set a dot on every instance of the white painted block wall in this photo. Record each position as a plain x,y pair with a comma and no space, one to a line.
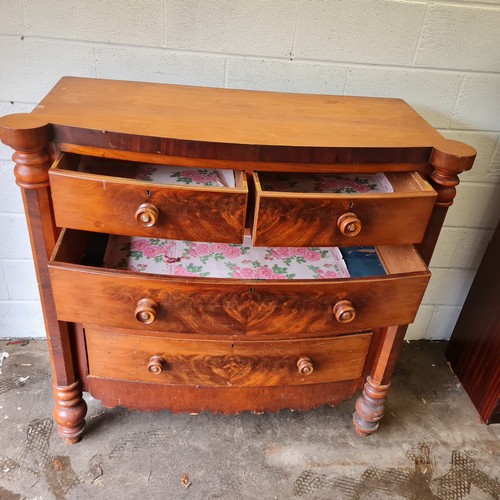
442,57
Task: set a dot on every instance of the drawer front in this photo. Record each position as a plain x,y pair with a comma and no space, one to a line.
230,363
122,206
124,299
312,219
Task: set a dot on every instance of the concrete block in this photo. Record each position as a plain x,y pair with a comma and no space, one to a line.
15,237
366,31
448,287
484,143
478,106
443,322
285,76
11,17
475,206
12,69
50,60
11,200
129,22
471,247
460,37
32,67
235,27
493,172
4,294
21,319
160,66
460,247
418,329
446,247
432,94
20,279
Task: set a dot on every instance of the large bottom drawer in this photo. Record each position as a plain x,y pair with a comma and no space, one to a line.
225,363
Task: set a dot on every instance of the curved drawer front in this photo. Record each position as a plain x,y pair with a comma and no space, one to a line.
125,299
229,363
115,205
284,218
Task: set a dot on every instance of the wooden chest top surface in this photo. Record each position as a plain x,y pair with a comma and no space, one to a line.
235,116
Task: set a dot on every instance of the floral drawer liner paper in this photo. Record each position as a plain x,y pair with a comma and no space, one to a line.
161,174
223,260
326,183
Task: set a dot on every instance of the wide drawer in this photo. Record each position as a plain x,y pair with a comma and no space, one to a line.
90,294
226,363
119,205
283,215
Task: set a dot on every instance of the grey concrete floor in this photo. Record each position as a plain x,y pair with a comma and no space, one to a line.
431,444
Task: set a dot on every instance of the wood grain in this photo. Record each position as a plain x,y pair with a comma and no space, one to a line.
311,219
235,116
474,348
225,363
225,400
231,307
109,204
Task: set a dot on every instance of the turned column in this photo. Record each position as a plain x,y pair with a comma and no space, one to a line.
29,138
448,159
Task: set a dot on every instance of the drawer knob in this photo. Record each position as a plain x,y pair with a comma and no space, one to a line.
344,311
147,215
349,224
156,365
146,311
305,365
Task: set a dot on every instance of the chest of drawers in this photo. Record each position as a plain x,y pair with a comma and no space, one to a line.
259,337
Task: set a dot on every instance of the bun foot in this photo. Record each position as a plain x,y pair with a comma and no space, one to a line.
370,407
70,411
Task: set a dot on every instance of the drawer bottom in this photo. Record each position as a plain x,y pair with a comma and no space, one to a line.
225,363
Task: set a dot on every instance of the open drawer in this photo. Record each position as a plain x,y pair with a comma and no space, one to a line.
86,292
121,197
225,363
293,209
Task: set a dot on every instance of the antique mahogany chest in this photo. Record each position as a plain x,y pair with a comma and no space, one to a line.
186,243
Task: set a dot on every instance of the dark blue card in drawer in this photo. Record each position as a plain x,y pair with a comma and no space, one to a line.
362,261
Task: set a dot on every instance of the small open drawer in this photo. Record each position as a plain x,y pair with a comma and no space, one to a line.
122,197
289,211
87,292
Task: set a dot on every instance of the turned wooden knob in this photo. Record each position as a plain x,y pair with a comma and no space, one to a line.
344,311
305,365
156,365
349,224
146,311
147,215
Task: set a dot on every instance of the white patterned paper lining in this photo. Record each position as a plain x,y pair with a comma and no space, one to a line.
161,174
326,183
223,260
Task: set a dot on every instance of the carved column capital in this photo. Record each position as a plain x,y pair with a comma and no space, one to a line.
28,136
449,159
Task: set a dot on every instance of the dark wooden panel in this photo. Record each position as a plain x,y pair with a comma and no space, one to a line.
225,363
474,348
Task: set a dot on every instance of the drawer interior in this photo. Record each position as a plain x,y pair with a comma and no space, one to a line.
159,174
92,249
336,184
